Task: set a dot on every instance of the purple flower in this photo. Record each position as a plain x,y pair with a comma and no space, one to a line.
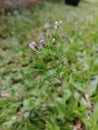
32,45
42,42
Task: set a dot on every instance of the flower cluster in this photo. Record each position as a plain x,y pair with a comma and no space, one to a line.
57,24
33,45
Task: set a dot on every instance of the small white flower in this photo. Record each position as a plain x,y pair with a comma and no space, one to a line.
60,22
14,117
53,39
56,22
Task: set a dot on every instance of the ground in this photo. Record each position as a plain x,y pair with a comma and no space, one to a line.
53,87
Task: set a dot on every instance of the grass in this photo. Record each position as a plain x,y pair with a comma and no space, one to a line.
55,89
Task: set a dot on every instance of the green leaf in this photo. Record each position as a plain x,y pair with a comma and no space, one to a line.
94,119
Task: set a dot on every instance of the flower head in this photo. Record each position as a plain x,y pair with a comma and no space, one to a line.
56,22
54,40
32,45
42,42
60,22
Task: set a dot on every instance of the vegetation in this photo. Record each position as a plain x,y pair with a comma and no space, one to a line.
54,85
